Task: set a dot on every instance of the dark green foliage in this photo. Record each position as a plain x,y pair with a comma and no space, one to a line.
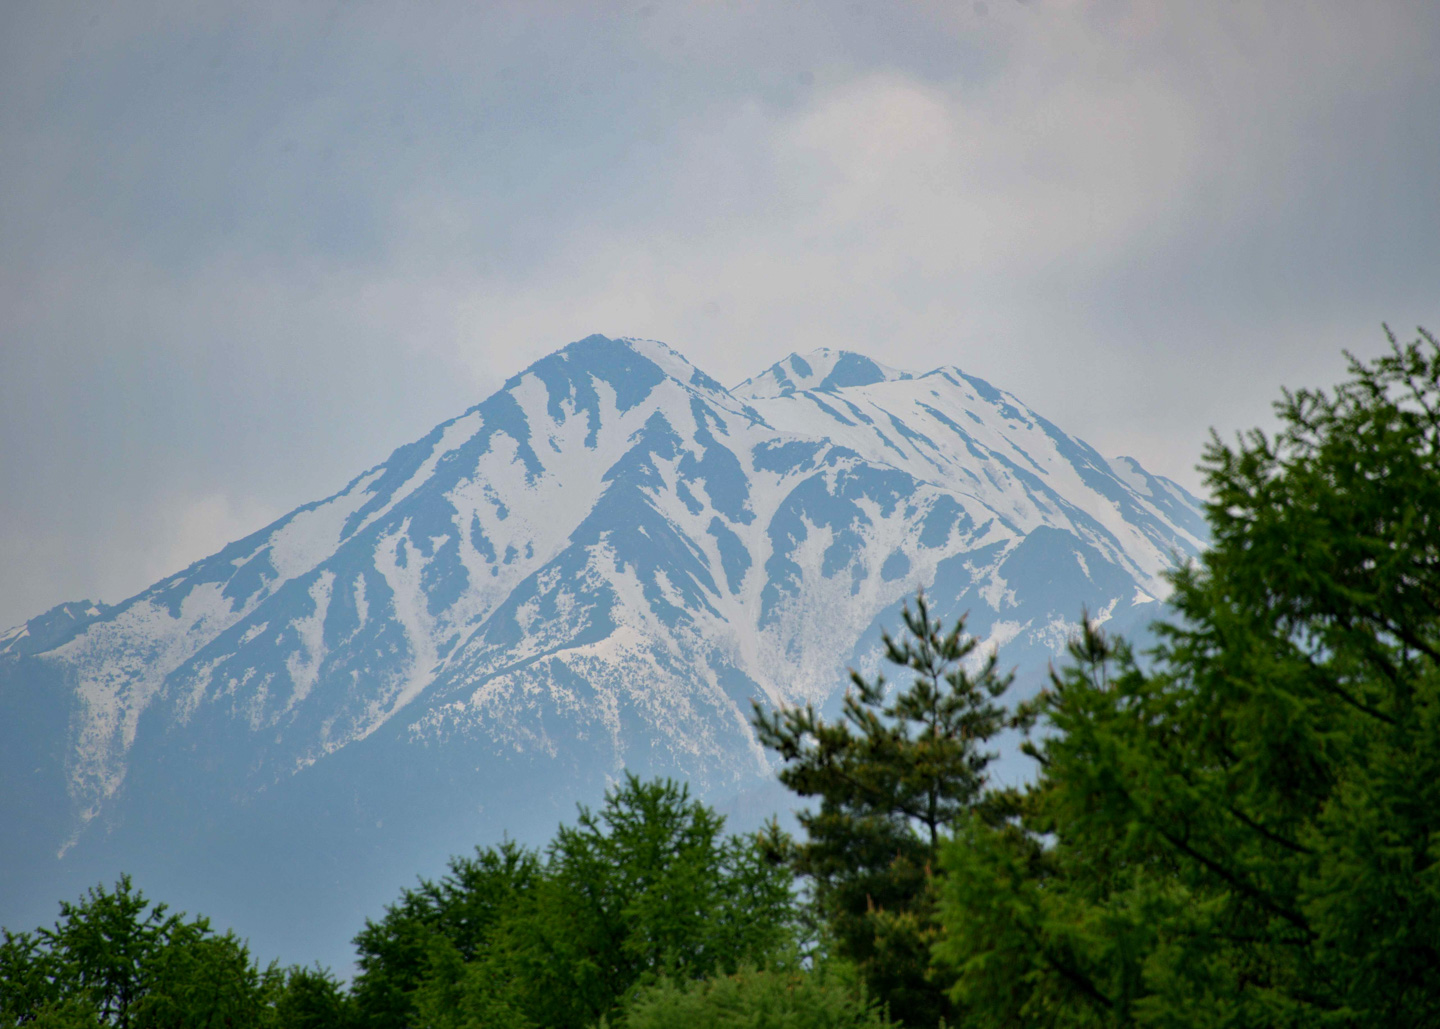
26,978
786,998
312,998
891,777
1248,834
205,981
647,887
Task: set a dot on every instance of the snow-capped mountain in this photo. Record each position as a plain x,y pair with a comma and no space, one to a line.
598,567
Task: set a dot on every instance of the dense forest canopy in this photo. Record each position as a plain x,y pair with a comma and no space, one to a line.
1240,830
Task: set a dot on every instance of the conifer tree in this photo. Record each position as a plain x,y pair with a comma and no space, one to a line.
892,776
1247,833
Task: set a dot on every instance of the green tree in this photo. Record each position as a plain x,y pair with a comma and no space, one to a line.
482,994
648,886
28,983
312,998
204,980
892,776
751,998
463,908
114,959
1247,833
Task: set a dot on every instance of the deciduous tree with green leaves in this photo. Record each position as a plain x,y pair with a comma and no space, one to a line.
115,959
753,998
462,909
648,886
312,998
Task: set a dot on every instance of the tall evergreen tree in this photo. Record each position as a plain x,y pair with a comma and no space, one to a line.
892,776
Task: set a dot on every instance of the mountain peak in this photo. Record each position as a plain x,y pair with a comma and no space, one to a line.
598,567
628,364
672,362
820,369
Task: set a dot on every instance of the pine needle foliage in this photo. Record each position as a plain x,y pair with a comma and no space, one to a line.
893,775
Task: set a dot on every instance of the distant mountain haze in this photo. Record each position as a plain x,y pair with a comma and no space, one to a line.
599,567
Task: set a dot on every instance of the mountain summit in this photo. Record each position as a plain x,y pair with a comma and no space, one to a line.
823,369
598,567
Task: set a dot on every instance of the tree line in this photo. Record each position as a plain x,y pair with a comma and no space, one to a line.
1238,828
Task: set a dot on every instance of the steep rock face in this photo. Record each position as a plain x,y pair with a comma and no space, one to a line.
598,567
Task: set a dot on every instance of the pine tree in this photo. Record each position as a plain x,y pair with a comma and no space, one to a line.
892,777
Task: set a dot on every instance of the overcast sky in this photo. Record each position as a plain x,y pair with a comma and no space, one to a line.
246,250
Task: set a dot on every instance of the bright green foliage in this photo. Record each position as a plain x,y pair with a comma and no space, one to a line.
457,995
892,776
788,998
116,960
1248,834
463,909
647,887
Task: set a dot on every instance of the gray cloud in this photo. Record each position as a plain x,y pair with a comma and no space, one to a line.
246,250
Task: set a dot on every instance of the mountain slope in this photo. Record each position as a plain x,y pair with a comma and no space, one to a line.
597,567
